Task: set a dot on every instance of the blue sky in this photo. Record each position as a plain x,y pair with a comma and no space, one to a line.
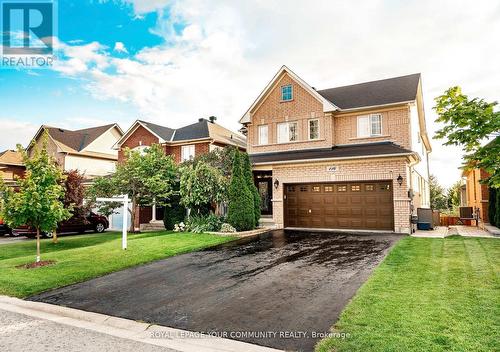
173,61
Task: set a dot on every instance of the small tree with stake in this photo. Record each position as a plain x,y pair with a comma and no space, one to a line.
38,202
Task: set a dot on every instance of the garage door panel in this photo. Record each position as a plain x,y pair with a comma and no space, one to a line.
349,205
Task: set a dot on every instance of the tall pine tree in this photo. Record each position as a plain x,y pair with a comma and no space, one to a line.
247,171
241,204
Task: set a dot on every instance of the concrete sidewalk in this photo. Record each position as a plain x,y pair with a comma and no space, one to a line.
443,231
136,333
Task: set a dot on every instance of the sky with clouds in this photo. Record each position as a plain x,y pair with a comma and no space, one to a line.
171,62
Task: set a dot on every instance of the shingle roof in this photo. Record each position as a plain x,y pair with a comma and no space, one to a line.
355,150
11,157
196,130
164,132
385,91
78,139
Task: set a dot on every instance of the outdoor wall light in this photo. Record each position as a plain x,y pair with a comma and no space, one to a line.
400,180
276,184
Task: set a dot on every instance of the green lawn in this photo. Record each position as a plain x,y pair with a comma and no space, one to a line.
82,257
427,295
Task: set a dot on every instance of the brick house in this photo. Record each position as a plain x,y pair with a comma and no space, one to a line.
475,194
183,144
11,166
352,157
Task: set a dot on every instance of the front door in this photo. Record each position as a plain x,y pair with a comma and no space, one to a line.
263,182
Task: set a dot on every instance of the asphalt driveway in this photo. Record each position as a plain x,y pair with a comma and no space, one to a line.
279,290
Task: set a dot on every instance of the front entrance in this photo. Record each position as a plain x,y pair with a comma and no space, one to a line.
346,205
264,183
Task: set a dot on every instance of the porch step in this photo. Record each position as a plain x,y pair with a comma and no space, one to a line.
152,226
267,222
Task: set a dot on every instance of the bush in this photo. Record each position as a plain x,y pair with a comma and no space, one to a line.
247,173
227,228
497,208
175,213
204,223
492,209
240,213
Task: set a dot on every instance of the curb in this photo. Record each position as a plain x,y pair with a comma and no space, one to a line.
175,339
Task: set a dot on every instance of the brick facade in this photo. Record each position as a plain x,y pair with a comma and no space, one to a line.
140,136
350,170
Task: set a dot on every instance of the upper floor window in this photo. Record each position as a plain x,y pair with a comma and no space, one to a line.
313,129
263,134
286,93
370,125
287,132
141,149
187,152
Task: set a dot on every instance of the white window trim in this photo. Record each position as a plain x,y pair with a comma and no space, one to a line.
288,130
291,91
309,130
370,134
191,155
259,140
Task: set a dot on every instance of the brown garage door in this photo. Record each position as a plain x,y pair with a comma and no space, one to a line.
349,205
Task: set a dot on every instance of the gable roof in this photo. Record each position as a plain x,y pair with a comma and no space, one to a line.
374,93
336,152
327,105
203,129
77,140
11,157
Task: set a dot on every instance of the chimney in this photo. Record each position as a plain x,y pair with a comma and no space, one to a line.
200,119
212,119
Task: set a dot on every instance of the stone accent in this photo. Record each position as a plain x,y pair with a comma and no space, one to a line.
349,170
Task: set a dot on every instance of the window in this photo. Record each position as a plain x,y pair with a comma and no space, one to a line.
316,189
287,132
286,93
341,188
313,129
369,187
328,188
303,188
187,152
141,149
263,139
369,125
291,188
355,188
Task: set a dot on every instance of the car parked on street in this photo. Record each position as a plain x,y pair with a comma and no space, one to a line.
4,229
93,222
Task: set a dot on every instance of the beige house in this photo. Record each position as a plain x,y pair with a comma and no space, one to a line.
88,150
352,157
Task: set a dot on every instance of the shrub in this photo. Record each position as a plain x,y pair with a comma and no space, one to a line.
497,208
175,213
492,210
247,173
204,223
225,227
240,213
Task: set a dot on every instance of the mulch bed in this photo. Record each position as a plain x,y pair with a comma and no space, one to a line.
36,265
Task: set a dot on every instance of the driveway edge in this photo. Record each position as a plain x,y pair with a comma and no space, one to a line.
176,339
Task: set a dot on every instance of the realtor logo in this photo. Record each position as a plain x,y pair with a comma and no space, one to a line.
28,31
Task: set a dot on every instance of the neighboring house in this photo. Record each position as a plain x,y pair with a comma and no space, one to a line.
352,157
88,150
11,166
182,143
476,194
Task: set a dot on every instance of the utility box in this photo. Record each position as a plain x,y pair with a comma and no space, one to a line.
425,217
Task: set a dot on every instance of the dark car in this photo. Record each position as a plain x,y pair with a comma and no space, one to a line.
4,229
93,222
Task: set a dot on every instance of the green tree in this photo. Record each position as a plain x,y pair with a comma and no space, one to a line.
438,194
247,171
241,204
146,178
492,206
105,187
453,196
38,202
471,123
202,186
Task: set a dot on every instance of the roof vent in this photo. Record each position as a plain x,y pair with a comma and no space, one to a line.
212,119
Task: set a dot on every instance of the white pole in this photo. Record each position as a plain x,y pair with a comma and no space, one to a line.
124,226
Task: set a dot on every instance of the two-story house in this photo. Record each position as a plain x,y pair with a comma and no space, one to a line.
184,143
352,157
88,150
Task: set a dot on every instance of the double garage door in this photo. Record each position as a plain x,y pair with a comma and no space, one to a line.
349,205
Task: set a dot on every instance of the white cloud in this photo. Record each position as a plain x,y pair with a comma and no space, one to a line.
120,48
229,50
14,132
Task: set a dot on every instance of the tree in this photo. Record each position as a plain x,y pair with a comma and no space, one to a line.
175,212
202,186
438,194
471,123
105,187
38,202
147,178
241,204
247,170
454,196
492,206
